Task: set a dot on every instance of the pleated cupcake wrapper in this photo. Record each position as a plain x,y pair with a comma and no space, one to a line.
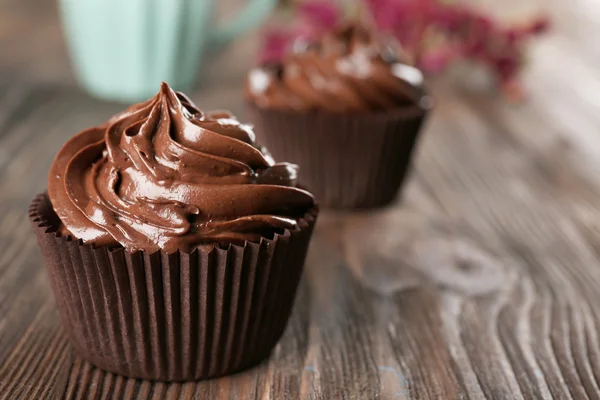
346,161
173,317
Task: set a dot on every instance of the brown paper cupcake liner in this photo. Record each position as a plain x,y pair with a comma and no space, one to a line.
346,161
172,317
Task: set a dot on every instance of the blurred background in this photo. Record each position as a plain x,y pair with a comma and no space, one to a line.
557,66
34,51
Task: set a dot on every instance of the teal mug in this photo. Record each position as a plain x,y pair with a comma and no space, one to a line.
123,49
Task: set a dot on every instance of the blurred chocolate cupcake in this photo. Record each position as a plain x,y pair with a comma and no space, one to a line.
174,244
347,110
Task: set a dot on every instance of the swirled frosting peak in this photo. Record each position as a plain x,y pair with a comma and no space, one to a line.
351,68
165,175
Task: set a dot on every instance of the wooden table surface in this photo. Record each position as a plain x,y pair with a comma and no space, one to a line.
484,282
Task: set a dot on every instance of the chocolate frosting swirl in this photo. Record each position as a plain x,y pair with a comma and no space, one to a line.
165,175
351,68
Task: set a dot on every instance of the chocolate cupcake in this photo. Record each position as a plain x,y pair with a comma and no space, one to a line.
174,244
347,110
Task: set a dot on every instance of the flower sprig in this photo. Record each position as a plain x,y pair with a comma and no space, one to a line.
433,33
310,19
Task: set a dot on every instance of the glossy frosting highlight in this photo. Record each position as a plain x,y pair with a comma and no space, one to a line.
351,68
165,175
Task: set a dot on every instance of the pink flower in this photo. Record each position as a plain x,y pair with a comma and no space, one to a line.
451,19
541,25
276,43
433,33
323,15
388,15
481,25
506,66
514,35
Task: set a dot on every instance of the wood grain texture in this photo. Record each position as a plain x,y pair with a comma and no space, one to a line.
482,282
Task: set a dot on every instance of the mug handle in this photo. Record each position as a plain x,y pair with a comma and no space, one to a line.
254,13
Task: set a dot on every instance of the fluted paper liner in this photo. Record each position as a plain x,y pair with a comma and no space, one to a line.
172,317
354,160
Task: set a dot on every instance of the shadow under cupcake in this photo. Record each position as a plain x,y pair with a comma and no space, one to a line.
174,244
346,110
